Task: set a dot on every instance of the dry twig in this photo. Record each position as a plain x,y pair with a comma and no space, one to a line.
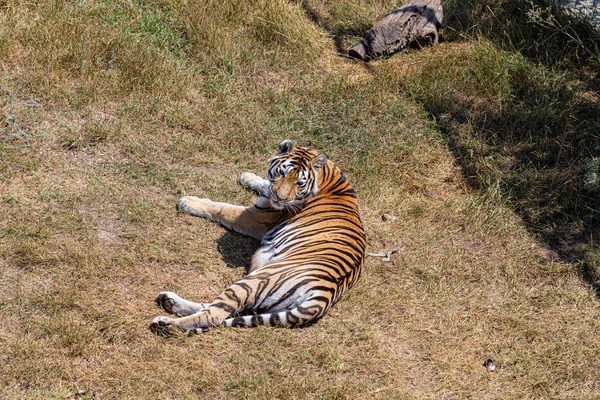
386,256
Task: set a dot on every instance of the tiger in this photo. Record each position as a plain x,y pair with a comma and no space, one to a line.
312,247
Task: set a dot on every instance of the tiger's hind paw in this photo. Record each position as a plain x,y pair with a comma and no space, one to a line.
161,326
166,301
173,304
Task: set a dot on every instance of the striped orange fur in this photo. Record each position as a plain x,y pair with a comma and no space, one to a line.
312,247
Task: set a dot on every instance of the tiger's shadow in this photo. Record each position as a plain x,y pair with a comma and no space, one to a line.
237,249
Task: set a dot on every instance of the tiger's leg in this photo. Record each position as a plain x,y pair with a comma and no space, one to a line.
307,311
173,304
253,221
235,298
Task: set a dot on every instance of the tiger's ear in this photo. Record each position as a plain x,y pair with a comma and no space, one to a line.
285,147
320,161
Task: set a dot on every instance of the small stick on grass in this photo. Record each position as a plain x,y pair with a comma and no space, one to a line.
386,256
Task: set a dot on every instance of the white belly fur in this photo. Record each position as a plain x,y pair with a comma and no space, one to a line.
262,256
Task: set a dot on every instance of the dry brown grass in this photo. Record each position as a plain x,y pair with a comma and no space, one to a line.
106,133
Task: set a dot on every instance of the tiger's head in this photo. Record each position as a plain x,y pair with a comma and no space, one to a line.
293,176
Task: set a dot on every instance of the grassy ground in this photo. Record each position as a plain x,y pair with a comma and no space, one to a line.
112,110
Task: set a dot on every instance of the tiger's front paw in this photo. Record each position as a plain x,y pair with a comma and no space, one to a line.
162,326
246,177
254,182
195,206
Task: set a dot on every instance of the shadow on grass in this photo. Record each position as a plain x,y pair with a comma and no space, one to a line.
339,35
542,149
237,249
543,33
544,177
